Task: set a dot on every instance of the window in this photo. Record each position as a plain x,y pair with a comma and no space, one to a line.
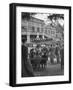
52,32
41,29
38,29
46,31
33,29
24,28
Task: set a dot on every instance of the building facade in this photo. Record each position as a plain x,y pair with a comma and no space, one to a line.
36,28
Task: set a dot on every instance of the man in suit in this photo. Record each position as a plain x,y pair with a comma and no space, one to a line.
62,57
57,50
27,70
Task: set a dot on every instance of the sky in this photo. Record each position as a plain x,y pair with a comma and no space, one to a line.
43,16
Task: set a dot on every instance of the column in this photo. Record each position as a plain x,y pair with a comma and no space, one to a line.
28,39
43,36
37,35
43,33
28,33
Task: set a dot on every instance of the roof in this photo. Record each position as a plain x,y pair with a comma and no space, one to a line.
33,19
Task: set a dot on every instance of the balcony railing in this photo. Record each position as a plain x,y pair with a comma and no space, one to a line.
34,32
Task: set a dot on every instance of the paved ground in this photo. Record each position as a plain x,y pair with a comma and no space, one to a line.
50,70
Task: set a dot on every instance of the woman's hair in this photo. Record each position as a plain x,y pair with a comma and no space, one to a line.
23,40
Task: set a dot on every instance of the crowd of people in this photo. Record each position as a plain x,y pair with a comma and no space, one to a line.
40,56
53,54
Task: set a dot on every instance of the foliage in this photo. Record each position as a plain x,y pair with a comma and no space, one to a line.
56,16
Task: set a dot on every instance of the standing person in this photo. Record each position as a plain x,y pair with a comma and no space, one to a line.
57,50
62,57
44,59
27,70
31,53
51,54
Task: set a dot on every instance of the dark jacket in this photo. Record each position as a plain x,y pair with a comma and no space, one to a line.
56,51
27,70
62,56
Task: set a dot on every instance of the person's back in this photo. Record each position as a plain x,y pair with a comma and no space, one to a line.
62,57
24,52
56,51
44,59
27,70
44,55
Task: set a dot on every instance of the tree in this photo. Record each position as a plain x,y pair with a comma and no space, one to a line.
54,18
55,22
